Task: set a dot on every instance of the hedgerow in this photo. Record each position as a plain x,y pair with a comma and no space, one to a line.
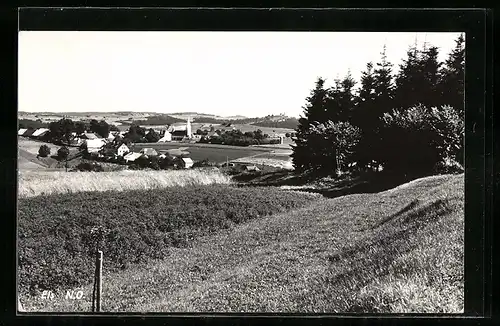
56,244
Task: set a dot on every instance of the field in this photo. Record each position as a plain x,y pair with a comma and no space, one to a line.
215,153
141,225
32,146
27,155
265,130
279,159
28,160
396,251
35,183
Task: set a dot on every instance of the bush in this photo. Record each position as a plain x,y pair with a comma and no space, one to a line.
62,153
421,140
55,239
44,151
326,147
204,163
89,167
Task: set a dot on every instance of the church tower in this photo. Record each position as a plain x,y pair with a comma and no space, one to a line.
188,128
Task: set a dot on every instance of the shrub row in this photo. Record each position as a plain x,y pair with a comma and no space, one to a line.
55,238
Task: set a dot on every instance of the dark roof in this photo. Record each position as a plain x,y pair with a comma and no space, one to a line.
29,132
179,133
90,135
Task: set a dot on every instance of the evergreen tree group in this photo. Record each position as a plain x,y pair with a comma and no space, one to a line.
410,121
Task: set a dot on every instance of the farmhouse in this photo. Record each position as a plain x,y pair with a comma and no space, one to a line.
131,157
149,151
122,150
94,145
166,137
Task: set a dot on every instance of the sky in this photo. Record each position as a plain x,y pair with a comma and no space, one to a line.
224,73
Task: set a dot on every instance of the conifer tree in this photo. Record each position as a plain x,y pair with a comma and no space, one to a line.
408,80
375,98
429,67
345,99
452,77
365,98
384,88
315,111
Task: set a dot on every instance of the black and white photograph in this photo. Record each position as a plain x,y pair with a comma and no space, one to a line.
241,172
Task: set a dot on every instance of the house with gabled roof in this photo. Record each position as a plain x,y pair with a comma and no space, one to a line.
122,150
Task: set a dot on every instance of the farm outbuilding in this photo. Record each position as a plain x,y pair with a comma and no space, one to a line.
131,157
94,145
251,168
186,162
21,131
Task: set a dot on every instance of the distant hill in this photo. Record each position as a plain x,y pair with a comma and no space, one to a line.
156,120
150,118
204,117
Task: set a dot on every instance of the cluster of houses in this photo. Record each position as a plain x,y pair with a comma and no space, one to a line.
123,151
96,144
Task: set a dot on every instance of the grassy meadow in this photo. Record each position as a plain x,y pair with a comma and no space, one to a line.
396,251
212,152
55,232
39,182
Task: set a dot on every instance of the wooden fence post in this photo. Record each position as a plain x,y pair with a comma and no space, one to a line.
96,301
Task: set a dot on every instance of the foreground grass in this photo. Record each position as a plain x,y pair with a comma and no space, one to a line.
55,232
398,251
35,183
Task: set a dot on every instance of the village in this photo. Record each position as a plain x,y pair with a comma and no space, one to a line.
166,147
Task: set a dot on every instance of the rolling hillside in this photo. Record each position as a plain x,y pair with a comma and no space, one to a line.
397,251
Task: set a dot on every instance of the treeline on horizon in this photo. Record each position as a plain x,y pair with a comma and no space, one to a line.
409,122
286,123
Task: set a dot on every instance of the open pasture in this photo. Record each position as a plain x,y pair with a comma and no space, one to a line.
215,153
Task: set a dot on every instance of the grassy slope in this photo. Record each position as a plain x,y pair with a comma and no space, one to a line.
396,251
